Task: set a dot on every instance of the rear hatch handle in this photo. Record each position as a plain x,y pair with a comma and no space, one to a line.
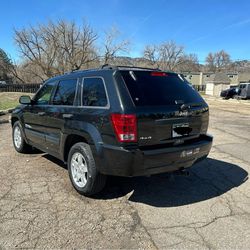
186,106
67,116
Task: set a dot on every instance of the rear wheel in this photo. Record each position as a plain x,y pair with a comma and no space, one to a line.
83,172
18,139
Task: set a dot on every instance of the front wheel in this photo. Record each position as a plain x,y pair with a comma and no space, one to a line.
18,139
83,172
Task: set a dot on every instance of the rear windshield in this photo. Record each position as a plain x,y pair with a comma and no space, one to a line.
158,88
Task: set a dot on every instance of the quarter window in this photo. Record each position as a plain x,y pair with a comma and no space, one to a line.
65,92
43,96
94,92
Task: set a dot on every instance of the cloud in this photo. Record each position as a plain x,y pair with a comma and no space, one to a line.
228,27
197,39
147,18
238,24
141,24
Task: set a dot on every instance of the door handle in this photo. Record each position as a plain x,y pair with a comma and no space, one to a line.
67,116
41,113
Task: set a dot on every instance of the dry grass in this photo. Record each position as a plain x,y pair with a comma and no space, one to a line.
10,99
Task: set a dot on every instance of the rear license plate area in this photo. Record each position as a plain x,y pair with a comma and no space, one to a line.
181,129
189,152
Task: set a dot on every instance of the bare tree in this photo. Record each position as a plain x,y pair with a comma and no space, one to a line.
151,53
29,72
190,63
113,45
167,56
210,62
222,59
218,61
56,47
15,73
76,45
37,49
171,55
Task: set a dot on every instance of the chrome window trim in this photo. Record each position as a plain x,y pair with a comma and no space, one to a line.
106,92
76,90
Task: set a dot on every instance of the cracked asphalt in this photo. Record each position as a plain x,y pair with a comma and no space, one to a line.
209,209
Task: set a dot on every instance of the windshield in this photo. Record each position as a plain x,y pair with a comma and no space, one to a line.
159,88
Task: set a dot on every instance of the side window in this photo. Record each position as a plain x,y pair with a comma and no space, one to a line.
94,92
65,92
43,96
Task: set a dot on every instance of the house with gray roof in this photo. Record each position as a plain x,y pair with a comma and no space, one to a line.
244,77
216,83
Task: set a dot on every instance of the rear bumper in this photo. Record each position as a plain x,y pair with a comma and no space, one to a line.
122,162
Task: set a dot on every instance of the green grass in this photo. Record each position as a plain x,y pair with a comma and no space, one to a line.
10,99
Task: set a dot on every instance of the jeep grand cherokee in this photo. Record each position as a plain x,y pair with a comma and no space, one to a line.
123,121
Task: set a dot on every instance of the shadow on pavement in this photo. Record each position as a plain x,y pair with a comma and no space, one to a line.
208,179
55,160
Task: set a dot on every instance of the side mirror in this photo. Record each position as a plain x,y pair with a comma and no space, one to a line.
25,99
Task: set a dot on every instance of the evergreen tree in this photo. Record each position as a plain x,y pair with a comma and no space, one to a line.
5,65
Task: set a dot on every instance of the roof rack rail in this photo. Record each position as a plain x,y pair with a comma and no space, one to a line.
107,66
135,67
79,71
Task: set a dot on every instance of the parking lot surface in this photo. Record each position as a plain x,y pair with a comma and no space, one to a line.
209,209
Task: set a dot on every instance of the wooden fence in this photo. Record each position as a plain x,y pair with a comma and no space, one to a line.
200,88
27,87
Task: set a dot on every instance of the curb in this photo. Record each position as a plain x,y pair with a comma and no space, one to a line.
4,121
214,98
5,112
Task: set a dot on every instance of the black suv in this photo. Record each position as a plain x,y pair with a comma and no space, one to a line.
123,121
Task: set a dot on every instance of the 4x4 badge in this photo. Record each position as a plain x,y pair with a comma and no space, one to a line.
145,137
182,113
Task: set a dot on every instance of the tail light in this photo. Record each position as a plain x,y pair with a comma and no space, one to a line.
158,74
125,127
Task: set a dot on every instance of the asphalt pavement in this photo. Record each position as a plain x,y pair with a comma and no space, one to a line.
209,209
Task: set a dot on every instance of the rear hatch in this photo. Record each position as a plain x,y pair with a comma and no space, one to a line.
168,109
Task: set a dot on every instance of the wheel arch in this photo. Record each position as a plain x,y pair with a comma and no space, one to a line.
69,141
13,120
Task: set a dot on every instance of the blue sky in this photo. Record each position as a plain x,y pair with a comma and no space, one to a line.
200,26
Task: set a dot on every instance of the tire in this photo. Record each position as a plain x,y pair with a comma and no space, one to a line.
83,172
19,142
